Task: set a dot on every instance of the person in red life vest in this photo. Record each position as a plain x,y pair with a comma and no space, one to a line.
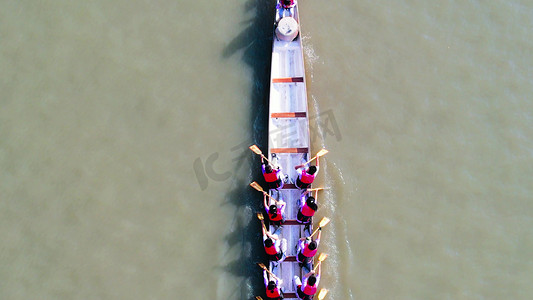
275,211
308,288
307,248
306,175
272,285
307,209
286,4
272,176
275,247
285,8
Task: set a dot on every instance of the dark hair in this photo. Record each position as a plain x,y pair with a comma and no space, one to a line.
271,285
268,169
312,245
311,170
311,280
273,208
269,242
311,203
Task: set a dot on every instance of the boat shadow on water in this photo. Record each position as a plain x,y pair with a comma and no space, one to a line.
255,44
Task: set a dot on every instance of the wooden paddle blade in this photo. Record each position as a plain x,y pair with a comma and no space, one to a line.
322,256
258,298
322,294
323,222
262,265
260,216
256,186
255,149
322,152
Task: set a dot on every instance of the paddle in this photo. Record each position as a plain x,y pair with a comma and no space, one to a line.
315,189
258,298
262,218
266,269
257,151
321,294
256,186
322,223
320,153
321,258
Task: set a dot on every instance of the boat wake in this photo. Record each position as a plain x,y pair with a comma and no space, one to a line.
336,237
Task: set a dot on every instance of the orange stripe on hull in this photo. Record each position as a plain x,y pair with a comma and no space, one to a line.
289,150
289,115
288,79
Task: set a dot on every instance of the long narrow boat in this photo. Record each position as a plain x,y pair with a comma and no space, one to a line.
289,138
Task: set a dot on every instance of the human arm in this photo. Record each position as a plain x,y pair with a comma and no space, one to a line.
309,274
265,276
265,201
318,273
282,206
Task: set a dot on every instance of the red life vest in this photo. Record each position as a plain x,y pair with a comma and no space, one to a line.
291,4
307,211
273,294
271,250
271,177
309,290
278,217
309,253
307,178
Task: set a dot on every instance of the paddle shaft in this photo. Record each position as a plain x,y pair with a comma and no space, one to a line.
317,265
322,223
320,153
314,232
266,269
275,201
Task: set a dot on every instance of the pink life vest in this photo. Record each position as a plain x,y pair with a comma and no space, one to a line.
309,290
309,253
307,178
307,211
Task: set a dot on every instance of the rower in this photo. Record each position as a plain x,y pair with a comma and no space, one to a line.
309,287
285,9
275,211
273,177
288,3
307,248
272,286
308,207
306,175
275,247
